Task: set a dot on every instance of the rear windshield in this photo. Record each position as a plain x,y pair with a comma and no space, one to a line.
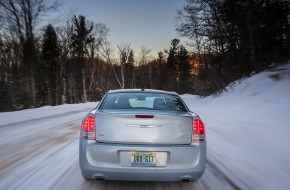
152,101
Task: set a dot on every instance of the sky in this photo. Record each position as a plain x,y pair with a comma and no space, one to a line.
149,23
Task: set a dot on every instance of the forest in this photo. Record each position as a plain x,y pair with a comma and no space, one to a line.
74,62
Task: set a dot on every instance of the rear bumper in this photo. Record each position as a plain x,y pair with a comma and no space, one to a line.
102,159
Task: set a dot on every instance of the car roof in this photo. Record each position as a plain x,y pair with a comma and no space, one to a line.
141,91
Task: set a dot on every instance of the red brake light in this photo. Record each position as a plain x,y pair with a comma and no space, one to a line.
198,134
144,116
88,128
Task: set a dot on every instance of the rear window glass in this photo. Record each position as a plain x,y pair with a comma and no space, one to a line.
153,101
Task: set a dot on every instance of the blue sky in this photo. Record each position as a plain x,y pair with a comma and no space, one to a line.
138,22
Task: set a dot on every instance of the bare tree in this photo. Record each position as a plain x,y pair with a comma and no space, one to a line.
144,59
105,49
144,55
19,21
124,50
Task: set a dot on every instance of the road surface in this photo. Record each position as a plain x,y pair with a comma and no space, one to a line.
42,153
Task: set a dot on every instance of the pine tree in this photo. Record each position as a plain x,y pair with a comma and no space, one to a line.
80,40
51,65
184,66
81,37
172,66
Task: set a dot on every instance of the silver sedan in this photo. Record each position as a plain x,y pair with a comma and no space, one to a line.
142,135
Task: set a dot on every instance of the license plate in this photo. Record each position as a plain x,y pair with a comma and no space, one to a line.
143,159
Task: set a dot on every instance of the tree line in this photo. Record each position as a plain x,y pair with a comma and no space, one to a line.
233,39
74,62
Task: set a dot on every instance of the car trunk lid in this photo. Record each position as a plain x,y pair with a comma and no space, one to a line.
143,127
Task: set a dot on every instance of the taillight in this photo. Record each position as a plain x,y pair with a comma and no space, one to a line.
144,116
198,134
88,128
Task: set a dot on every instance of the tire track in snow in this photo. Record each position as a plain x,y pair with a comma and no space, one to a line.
217,178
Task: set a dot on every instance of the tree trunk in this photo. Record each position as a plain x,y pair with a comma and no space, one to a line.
84,87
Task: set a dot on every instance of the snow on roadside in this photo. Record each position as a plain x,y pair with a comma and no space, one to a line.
248,129
45,111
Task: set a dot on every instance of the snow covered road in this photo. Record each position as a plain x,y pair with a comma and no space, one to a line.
42,153
35,153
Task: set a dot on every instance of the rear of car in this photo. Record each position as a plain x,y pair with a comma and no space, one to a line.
142,135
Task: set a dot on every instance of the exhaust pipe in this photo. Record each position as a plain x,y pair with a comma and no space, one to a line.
185,180
99,179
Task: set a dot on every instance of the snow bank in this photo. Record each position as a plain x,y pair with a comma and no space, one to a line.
45,111
248,129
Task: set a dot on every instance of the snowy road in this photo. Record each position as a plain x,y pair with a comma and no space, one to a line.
42,153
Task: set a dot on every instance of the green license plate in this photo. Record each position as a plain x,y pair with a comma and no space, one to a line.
143,159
